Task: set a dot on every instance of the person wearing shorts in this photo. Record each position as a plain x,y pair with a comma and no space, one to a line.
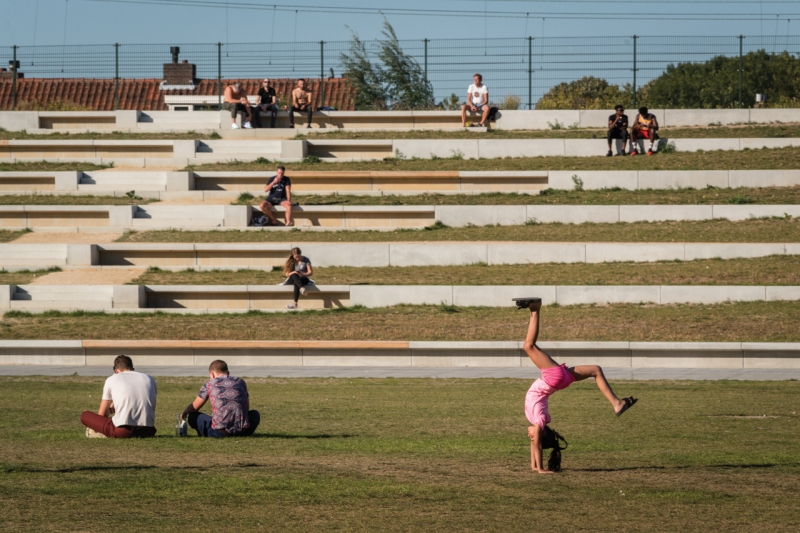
645,126
235,100
617,129
555,377
477,102
279,192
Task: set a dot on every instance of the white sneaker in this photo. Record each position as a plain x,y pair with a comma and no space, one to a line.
303,291
247,126
234,126
92,434
291,306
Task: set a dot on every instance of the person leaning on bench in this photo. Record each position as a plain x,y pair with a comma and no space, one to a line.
230,406
477,102
235,101
267,101
279,192
131,397
301,103
617,129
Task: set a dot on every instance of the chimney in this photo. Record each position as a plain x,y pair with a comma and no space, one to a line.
177,73
9,74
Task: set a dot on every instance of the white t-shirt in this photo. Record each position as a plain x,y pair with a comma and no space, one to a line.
134,397
476,94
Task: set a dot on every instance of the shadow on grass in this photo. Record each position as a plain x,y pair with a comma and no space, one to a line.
290,436
684,467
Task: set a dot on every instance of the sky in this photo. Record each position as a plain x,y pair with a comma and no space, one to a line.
55,22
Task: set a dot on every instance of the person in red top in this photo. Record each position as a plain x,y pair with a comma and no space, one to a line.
230,406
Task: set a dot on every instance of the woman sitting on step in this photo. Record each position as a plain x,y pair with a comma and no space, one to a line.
298,269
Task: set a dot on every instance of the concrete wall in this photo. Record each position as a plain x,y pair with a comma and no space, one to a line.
266,256
402,354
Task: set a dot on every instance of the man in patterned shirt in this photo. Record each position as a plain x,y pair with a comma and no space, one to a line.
230,406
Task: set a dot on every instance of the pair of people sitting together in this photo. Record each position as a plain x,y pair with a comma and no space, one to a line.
645,126
130,397
235,100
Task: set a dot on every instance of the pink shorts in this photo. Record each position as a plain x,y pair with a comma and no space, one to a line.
558,377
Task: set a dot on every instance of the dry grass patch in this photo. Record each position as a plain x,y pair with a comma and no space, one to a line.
47,166
774,270
98,136
407,455
66,199
8,236
731,322
611,196
719,230
761,159
24,277
695,132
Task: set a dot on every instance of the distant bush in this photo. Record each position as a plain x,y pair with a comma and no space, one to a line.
510,102
586,93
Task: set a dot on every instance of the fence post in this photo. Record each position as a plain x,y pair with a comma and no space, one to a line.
425,41
530,72
635,37
14,81
116,76
741,37
322,73
219,75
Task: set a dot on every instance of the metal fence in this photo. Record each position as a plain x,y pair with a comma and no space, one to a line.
525,67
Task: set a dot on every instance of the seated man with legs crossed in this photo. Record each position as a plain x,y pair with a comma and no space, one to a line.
230,406
131,397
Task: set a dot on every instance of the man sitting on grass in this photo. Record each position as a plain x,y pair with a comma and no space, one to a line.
230,406
129,396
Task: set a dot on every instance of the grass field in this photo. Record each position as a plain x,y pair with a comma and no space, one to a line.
23,277
730,322
83,199
408,455
774,270
44,166
611,196
697,132
719,230
761,159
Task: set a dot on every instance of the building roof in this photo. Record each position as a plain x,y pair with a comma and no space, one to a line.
61,94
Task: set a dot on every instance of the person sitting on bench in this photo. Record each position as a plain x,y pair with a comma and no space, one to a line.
235,101
279,192
131,397
645,126
267,102
230,406
301,103
477,102
617,129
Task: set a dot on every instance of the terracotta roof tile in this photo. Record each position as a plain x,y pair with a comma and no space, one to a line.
145,95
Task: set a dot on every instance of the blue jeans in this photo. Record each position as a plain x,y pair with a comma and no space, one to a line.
202,424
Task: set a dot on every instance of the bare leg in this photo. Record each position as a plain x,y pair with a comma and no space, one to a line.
464,116
593,371
539,358
486,110
288,206
265,208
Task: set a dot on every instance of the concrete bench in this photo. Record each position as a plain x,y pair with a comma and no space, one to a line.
97,151
243,297
188,102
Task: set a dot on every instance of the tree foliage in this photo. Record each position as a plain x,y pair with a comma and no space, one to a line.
586,93
396,82
715,83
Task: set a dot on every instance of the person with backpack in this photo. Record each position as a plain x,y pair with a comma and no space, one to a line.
554,377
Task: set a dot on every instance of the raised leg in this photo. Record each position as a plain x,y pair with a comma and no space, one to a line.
539,358
593,371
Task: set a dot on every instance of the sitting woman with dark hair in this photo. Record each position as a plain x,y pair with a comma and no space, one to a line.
298,269
554,377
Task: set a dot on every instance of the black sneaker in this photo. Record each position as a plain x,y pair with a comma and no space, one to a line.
524,303
609,154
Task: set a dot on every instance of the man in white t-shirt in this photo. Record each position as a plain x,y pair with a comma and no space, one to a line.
129,396
477,102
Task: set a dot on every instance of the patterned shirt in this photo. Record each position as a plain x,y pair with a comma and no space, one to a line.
230,403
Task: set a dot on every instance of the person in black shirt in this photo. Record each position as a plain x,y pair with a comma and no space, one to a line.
617,129
279,192
268,101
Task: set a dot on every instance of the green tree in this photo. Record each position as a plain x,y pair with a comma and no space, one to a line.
586,93
397,82
715,83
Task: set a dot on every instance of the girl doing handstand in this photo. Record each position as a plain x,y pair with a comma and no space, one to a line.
554,377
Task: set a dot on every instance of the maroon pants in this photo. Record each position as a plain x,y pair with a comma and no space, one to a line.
104,425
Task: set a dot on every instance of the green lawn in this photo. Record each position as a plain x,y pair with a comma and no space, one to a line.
761,159
718,230
565,132
612,196
83,199
774,270
409,455
731,322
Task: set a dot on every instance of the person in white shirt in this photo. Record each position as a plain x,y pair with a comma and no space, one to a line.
131,398
477,102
